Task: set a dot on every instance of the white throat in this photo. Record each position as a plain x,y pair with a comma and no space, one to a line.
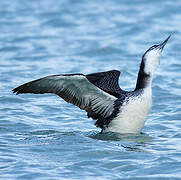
151,61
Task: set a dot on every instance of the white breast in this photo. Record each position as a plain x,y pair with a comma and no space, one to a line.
133,113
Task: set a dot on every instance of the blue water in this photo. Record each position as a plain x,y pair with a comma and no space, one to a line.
43,137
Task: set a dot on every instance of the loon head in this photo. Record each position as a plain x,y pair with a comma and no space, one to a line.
151,58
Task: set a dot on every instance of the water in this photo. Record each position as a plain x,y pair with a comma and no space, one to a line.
41,136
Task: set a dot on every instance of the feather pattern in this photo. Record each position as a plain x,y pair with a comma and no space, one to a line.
75,89
107,81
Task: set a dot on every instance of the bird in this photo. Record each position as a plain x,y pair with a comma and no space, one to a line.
99,94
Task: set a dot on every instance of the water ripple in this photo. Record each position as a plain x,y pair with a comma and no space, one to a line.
42,137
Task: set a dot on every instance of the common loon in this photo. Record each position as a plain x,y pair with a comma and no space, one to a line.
101,97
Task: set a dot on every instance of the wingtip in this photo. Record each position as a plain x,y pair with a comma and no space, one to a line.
15,91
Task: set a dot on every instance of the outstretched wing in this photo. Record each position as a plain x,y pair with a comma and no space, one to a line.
107,81
75,89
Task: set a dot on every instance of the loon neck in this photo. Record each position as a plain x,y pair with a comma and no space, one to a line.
144,80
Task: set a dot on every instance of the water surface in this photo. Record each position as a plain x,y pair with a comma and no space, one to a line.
43,137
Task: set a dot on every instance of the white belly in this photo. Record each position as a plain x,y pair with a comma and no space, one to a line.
133,114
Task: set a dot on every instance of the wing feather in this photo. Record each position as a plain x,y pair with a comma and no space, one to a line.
75,89
107,81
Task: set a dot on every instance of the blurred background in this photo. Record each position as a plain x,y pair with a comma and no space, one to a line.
43,137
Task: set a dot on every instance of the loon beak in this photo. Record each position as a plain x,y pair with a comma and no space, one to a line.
161,46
